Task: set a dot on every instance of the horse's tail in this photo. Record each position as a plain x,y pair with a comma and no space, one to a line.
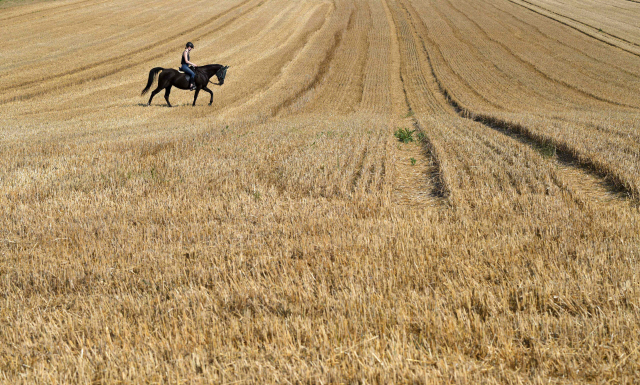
152,75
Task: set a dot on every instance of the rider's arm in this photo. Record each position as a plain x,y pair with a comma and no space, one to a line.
186,59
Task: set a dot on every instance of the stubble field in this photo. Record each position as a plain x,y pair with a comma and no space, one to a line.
283,234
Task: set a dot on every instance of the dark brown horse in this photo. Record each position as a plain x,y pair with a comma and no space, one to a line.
170,78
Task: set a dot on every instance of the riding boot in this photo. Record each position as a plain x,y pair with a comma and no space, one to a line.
192,87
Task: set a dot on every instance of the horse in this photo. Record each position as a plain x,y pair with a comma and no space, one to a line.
171,77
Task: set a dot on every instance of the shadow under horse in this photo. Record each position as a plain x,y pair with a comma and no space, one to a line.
173,78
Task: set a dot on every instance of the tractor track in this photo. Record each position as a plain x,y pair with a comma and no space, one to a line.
72,6
531,66
578,29
430,176
612,185
323,69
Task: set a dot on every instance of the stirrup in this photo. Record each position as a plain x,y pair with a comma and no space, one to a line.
192,87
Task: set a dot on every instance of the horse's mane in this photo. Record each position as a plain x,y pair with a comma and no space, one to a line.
210,65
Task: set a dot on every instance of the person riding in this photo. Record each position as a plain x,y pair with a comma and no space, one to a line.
185,63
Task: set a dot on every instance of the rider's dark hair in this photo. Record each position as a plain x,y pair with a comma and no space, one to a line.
189,44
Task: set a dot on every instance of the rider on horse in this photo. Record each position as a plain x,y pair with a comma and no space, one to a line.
185,65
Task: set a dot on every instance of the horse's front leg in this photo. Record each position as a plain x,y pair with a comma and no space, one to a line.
195,97
167,92
210,93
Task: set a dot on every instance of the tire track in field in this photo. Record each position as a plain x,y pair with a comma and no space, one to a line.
375,166
359,167
52,9
323,68
367,164
534,68
578,29
342,89
477,54
429,175
275,73
564,45
459,78
120,58
361,63
602,181
582,23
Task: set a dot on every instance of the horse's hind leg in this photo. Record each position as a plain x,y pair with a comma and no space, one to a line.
166,95
153,93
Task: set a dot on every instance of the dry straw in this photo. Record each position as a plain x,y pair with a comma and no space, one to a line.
284,235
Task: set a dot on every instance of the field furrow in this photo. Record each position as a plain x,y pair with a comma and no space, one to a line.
583,152
612,18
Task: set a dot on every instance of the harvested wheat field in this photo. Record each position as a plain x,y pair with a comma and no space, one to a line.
285,234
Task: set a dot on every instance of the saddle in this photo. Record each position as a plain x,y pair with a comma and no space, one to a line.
181,71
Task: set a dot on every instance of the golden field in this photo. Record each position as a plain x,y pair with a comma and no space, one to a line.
284,234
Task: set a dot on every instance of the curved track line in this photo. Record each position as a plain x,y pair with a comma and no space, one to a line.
320,74
572,156
49,9
342,89
460,79
577,29
362,61
556,40
288,59
439,190
479,55
582,23
535,69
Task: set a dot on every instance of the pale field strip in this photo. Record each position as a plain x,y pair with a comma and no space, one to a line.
282,234
377,95
519,70
569,43
421,185
543,71
587,70
34,7
484,161
344,73
499,148
613,22
271,73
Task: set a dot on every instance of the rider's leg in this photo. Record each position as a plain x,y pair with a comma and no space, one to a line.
191,74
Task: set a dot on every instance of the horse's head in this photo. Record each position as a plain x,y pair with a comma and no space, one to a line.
222,72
